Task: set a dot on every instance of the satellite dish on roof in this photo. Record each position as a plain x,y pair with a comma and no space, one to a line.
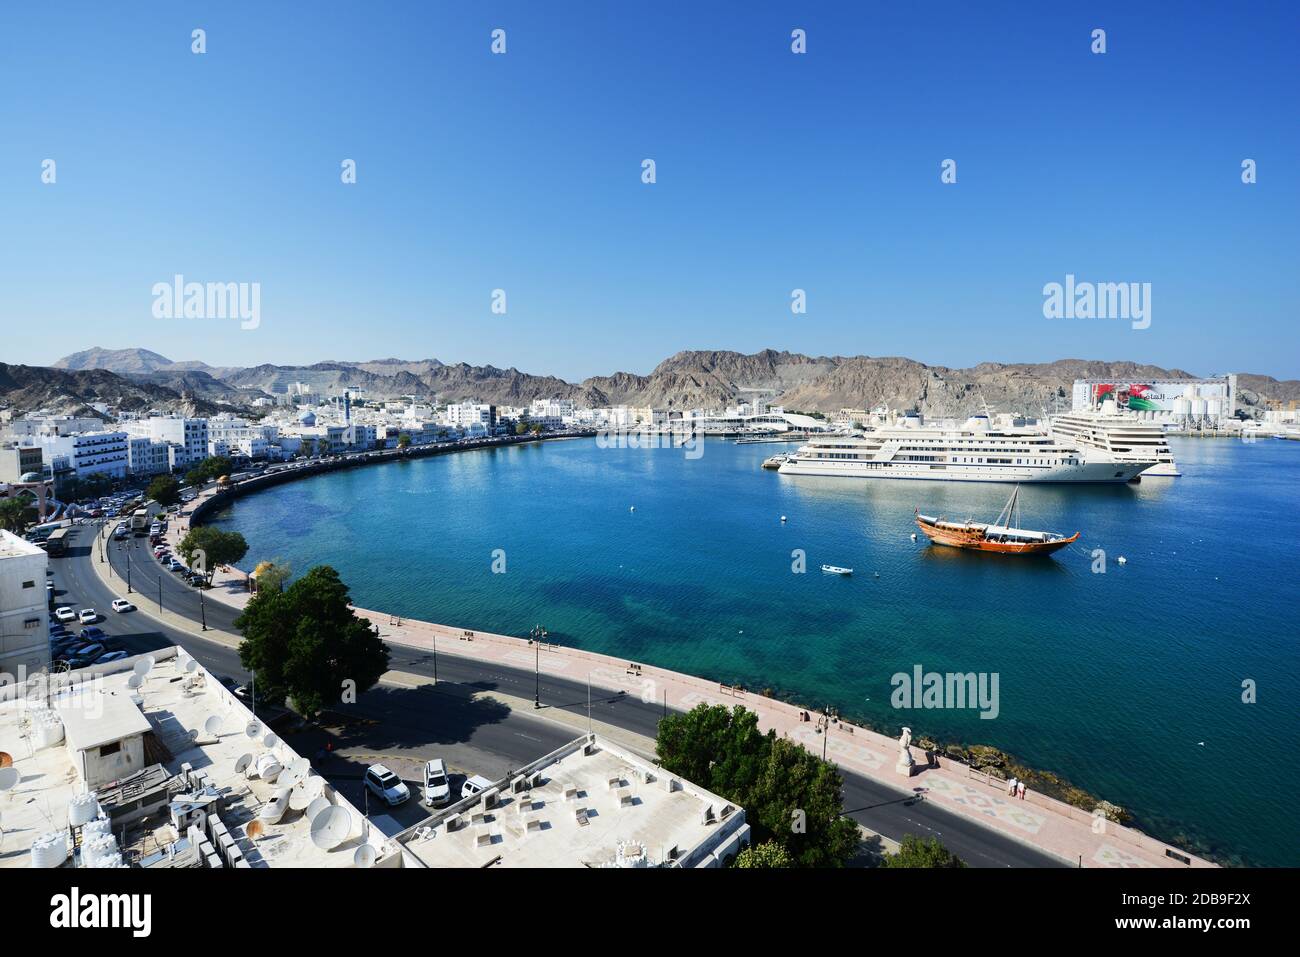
242,763
134,681
8,778
253,729
365,856
213,726
144,665
331,828
319,804
191,666
295,773
270,740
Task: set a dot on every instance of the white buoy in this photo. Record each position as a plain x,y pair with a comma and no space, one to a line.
1122,560
632,509
783,518
914,536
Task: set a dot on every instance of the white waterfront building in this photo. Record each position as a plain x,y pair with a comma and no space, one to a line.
472,416
24,608
89,453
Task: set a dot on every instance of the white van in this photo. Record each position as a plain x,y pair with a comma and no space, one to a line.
437,789
476,784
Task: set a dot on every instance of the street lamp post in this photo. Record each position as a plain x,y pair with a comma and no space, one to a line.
537,634
128,571
435,659
203,612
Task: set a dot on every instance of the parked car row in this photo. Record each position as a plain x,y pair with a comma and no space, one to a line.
436,791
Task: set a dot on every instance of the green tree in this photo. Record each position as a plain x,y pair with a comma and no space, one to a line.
922,852
403,440
307,644
790,796
769,854
14,514
214,466
217,547
164,490
535,428
797,800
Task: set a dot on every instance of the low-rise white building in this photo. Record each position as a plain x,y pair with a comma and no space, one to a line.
89,453
24,608
472,416
590,803
150,762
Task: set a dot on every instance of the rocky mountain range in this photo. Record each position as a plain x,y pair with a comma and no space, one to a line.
30,388
686,380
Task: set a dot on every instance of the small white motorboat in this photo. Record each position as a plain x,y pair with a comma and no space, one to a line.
837,570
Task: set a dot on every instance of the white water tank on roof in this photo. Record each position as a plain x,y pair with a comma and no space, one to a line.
83,809
50,849
99,849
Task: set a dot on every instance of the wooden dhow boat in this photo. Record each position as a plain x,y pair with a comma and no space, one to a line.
1001,536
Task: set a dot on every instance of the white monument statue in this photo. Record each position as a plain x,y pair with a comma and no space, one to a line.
905,765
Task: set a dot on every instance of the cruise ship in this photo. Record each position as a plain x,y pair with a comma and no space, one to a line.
1120,434
971,452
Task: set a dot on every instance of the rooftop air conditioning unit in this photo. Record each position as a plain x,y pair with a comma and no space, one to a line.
518,784
491,797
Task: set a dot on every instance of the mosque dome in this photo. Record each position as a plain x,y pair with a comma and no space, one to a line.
308,418
31,477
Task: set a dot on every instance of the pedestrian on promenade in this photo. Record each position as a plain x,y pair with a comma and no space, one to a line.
1011,787
1021,789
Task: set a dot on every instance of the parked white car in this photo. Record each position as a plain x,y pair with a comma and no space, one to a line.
386,785
476,784
88,616
65,614
121,604
437,789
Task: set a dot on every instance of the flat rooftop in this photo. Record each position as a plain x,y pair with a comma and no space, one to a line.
11,546
175,706
589,804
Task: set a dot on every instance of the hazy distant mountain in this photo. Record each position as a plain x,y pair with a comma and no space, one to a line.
31,388
132,361
686,380
114,360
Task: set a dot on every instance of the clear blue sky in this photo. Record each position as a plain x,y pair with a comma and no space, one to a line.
775,171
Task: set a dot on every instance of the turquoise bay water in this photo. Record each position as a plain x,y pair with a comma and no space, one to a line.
1112,680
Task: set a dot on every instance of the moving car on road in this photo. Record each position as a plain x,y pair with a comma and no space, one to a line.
65,614
121,605
386,785
88,616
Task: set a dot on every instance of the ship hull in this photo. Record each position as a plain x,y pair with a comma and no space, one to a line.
974,540
1116,473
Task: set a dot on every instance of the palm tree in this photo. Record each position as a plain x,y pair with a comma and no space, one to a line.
13,515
